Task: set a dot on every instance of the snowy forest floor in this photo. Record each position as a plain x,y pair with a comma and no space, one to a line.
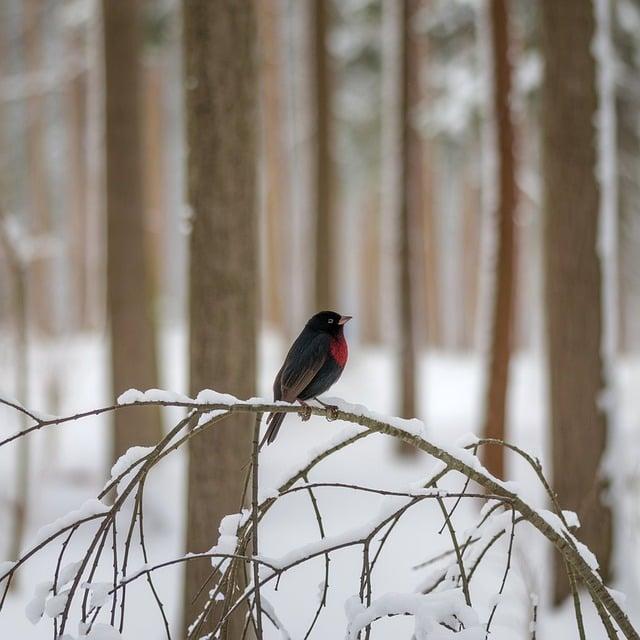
69,465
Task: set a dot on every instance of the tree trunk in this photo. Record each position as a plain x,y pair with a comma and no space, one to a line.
76,121
274,161
503,296
220,89
572,272
38,200
18,272
133,348
409,203
325,238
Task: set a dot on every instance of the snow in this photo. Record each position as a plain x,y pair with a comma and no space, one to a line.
103,632
209,396
571,518
228,539
91,507
428,610
128,459
98,591
68,572
5,567
554,521
55,605
471,460
387,506
35,607
131,396
267,493
450,407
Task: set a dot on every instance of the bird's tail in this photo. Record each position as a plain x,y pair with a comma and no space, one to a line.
274,421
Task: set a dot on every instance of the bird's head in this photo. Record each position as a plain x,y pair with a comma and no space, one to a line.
328,322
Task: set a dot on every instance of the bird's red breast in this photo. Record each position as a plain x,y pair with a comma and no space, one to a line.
339,350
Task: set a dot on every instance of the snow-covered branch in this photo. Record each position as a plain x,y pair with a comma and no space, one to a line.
446,597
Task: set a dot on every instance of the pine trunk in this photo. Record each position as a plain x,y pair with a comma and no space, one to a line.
571,199
503,297
409,205
320,78
220,89
133,348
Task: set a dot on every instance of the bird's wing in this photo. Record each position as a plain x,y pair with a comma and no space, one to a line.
301,365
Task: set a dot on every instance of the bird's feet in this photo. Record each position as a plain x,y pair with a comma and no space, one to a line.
332,410
305,413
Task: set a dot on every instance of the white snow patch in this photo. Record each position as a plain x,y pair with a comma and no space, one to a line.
209,396
128,459
91,507
98,592
131,396
429,610
103,632
35,607
55,604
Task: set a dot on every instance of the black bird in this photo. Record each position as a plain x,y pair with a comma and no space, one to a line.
314,363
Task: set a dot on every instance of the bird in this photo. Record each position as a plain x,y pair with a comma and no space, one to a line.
314,363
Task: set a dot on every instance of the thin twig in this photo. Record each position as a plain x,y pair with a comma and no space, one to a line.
254,531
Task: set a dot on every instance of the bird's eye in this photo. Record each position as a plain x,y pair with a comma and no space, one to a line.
330,321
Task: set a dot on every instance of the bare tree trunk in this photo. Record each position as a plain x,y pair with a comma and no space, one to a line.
503,296
133,344
21,374
572,273
274,160
325,237
409,205
221,88
370,258
155,191
77,181
470,251
37,194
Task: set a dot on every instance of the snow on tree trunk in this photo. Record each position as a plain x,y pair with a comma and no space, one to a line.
573,283
220,92
133,348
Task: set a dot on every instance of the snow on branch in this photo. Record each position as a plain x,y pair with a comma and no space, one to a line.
72,596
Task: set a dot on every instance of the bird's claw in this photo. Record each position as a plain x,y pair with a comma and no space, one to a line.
332,412
305,413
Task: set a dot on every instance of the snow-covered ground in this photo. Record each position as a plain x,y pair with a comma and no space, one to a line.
69,465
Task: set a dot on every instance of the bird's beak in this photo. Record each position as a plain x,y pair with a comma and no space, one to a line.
344,319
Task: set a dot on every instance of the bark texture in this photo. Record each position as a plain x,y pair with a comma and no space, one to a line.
409,203
133,347
320,78
220,89
573,273
503,297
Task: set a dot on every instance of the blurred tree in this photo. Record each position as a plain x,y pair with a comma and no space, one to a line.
320,79
17,267
409,200
220,92
356,50
401,182
129,301
77,176
409,157
273,160
627,46
571,199
503,294
38,194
